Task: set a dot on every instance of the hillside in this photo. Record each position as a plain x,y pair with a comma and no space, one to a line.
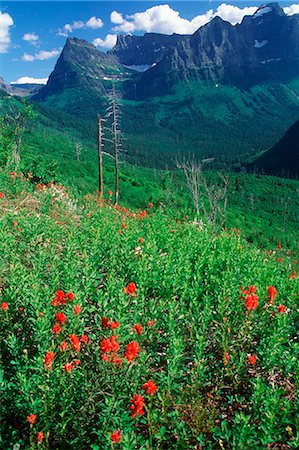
195,359
283,158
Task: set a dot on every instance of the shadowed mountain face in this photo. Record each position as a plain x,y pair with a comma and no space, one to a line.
144,50
283,158
81,65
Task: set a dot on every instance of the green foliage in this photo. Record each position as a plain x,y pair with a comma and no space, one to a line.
196,350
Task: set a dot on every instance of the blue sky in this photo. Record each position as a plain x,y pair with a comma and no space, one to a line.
32,34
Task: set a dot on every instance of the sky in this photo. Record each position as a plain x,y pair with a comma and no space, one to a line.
32,34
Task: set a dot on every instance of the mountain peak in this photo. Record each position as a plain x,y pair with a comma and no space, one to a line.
269,9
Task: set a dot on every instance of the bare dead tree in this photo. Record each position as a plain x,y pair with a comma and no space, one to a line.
78,150
100,155
192,169
113,113
208,197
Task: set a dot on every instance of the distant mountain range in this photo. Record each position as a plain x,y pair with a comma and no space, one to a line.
225,91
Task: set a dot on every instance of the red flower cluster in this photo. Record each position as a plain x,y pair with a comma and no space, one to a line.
151,323
251,299
61,318
40,437
137,406
272,294
281,309
132,351
4,306
115,436
84,339
108,347
130,289
56,329
63,346
2,195
138,329
31,419
251,359
68,367
150,387
226,358
75,341
48,360
77,309
61,298
106,324
141,240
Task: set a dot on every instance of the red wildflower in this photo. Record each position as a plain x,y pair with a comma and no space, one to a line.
4,306
110,193
105,357
77,309
272,294
226,358
115,436
279,247
84,339
281,308
114,344
59,298
252,289
68,367
2,195
150,387
112,325
70,296
138,329
150,205
75,341
40,437
105,322
137,406
279,260
105,346
251,302
251,359
132,351
151,323
123,226
141,240
48,360
61,318
31,419
76,362
63,346
56,329
131,288
115,359
293,274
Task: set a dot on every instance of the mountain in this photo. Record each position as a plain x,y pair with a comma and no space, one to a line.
225,91
142,52
283,158
263,47
81,66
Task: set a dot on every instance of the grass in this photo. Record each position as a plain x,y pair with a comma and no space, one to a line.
226,375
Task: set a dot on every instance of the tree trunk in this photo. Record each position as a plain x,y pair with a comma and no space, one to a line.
100,155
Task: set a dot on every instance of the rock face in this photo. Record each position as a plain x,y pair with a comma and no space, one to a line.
80,65
283,158
241,55
144,50
3,86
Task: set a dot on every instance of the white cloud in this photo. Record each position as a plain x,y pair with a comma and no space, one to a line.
31,38
93,22
108,42
164,19
40,56
6,22
30,80
292,9
116,18
233,14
